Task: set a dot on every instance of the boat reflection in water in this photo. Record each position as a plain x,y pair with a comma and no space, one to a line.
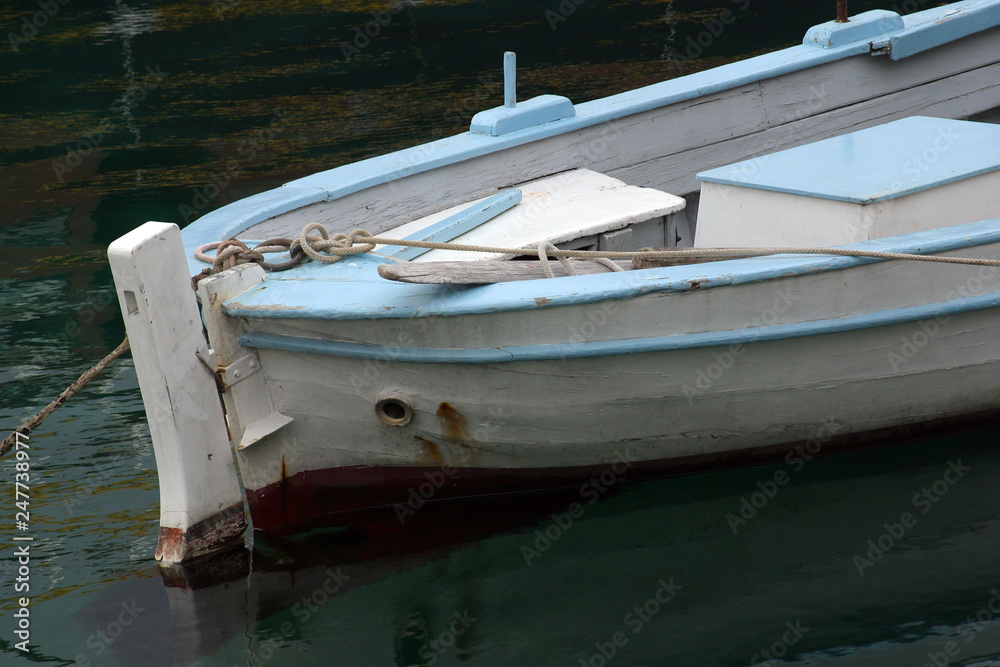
819,561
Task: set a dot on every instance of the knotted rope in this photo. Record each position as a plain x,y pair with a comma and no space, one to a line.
232,252
339,247
325,249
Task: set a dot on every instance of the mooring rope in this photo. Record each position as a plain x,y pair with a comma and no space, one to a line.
33,423
324,248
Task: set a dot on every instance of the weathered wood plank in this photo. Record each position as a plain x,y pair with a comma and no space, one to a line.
855,80
954,97
484,272
658,262
201,504
487,271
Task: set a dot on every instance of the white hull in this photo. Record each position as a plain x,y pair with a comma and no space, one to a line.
657,405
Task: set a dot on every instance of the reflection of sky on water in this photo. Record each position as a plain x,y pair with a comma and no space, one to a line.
127,23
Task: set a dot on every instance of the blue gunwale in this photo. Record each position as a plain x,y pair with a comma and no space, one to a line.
352,289
922,30
558,351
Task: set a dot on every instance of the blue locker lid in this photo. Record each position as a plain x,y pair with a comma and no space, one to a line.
880,163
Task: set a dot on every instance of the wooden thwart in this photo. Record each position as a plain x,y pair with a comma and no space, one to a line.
483,272
656,262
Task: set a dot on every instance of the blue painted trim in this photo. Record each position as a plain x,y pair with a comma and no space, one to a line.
375,352
464,221
877,23
353,290
243,214
940,25
509,79
554,351
532,113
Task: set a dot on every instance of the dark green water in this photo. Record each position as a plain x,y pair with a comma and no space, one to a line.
112,114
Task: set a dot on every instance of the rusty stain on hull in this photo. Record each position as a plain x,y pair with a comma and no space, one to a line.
454,426
431,452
